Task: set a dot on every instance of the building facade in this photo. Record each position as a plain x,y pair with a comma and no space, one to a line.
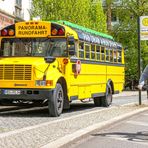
12,11
113,13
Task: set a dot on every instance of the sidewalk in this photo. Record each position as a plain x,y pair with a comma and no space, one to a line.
130,93
109,116
94,122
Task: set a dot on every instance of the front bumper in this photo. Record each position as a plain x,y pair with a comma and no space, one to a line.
25,94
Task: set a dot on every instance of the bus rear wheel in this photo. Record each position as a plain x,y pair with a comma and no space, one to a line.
56,101
107,99
97,101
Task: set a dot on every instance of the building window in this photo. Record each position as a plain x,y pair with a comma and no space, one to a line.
17,12
18,3
18,8
114,16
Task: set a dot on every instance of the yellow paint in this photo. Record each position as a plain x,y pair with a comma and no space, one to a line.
32,29
92,78
145,22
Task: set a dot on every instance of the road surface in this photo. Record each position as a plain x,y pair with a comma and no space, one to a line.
129,133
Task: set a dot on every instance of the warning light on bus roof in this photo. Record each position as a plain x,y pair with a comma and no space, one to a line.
57,32
61,31
11,32
7,32
54,31
4,32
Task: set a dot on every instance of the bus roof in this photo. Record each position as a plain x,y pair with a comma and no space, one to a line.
84,29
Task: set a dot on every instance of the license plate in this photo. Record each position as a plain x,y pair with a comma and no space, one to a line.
11,92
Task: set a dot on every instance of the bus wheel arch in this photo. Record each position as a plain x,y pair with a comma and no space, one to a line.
110,82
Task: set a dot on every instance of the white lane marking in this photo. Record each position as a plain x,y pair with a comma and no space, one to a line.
137,123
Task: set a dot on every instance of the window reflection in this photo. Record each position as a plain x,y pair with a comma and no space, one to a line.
34,47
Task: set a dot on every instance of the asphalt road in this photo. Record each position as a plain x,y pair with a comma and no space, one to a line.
14,117
129,133
31,126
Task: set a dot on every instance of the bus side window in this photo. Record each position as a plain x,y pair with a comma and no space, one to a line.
87,51
102,53
107,55
81,50
97,52
119,57
115,55
93,51
77,48
111,55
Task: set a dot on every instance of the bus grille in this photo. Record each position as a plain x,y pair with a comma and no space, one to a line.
15,72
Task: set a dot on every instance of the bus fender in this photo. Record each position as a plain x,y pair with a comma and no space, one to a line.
110,84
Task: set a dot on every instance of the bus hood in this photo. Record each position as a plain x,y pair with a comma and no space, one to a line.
37,64
23,60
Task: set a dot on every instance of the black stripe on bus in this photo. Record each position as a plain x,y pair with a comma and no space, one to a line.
96,62
98,95
92,95
73,98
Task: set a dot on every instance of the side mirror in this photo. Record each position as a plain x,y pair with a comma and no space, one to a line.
71,40
71,45
49,59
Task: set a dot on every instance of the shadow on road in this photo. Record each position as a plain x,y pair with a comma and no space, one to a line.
41,111
141,136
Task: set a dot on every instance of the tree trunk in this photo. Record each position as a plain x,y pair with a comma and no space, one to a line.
109,16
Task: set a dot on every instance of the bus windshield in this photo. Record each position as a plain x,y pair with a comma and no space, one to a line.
33,47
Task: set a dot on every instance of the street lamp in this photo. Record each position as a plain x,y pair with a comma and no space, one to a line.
139,51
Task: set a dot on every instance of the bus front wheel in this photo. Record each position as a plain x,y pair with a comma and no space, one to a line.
56,101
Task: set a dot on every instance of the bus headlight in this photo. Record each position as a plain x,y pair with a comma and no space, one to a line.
44,83
40,83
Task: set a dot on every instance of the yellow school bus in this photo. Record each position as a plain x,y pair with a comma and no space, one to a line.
56,62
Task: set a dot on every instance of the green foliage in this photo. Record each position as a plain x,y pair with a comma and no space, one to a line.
97,17
83,12
126,33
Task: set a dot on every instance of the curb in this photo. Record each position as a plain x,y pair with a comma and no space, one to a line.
71,137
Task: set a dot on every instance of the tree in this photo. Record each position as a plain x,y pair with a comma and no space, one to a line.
126,33
97,17
109,4
82,12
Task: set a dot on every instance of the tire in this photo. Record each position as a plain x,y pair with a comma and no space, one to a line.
56,101
97,101
107,99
